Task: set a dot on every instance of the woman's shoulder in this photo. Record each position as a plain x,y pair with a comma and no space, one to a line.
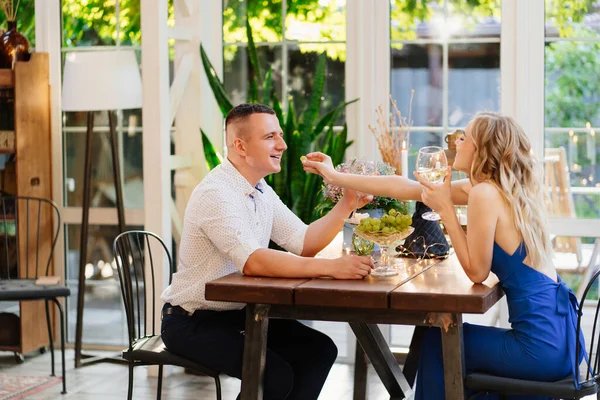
485,191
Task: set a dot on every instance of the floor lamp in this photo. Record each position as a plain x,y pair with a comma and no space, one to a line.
98,81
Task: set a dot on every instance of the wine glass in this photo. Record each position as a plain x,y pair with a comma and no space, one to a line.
431,166
362,167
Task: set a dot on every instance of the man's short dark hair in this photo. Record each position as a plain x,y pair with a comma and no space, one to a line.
243,111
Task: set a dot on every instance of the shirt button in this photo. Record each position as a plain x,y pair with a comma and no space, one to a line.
238,233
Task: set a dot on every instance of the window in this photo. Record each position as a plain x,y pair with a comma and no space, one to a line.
571,120
572,109
448,52
289,36
99,25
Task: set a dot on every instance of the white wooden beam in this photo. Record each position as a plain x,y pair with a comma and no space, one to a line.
176,222
157,143
180,82
179,162
180,33
185,7
211,35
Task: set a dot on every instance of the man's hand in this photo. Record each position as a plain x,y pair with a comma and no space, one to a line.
350,267
320,164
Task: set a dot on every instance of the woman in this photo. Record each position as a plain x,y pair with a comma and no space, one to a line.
507,235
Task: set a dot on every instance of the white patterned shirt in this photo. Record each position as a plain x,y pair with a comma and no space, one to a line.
226,220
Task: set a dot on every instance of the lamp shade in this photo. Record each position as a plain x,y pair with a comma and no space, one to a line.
101,80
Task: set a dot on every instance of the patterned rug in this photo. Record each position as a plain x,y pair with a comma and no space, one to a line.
16,387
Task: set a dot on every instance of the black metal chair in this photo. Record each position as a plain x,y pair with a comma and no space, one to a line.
565,388
133,250
27,241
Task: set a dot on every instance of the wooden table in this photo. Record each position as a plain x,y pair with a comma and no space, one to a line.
437,294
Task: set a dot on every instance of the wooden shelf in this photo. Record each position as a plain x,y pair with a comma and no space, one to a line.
14,349
29,174
7,78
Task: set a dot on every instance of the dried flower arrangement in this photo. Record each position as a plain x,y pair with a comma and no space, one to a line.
393,137
8,6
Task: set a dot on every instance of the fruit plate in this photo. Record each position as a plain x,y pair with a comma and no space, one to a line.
384,238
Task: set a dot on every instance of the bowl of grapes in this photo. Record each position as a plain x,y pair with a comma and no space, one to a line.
385,231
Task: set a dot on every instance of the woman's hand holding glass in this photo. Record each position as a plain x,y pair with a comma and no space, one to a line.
435,195
432,166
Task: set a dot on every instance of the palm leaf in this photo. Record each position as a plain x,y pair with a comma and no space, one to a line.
330,117
267,87
253,55
314,105
215,84
212,157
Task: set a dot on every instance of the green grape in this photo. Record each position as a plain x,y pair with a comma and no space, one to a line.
386,230
393,212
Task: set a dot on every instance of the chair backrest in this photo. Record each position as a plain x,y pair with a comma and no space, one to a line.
561,204
29,228
592,372
133,253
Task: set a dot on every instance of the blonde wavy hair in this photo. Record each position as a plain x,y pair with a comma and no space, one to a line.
504,158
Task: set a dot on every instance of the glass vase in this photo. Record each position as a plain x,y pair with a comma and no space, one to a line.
13,47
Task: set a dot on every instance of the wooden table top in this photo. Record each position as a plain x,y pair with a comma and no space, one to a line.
442,286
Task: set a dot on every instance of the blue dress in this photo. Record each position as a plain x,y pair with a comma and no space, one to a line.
540,345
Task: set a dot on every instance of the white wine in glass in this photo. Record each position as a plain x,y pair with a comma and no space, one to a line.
431,166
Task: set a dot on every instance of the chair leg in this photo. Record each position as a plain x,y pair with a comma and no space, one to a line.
62,344
218,384
159,388
130,387
50,337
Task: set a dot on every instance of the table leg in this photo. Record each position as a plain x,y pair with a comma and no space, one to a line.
412,359
255,350
383,360
361,368
454,357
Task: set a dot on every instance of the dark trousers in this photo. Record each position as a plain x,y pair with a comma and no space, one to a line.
298,357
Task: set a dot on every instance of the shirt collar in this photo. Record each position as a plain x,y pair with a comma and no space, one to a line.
240,181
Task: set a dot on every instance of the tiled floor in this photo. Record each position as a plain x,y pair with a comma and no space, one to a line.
104,381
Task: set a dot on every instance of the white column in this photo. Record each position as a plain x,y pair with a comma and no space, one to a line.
196,108
522,67
367,71
155,118
47,39
211,35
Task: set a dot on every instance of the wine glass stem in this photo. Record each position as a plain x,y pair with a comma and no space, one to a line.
385,261
355,206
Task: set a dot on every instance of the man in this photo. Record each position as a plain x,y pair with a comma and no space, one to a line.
228,222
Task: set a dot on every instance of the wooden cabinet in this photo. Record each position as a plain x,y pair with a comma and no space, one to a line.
29,173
